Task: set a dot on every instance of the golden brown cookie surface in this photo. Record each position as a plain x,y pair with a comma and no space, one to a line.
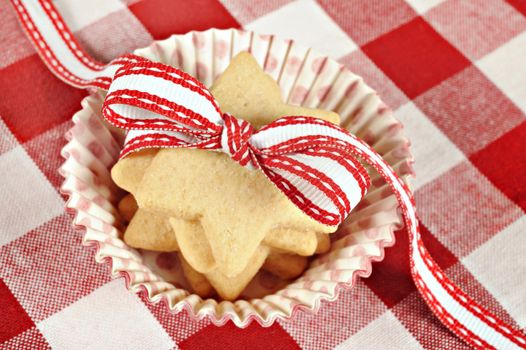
149,230
128,207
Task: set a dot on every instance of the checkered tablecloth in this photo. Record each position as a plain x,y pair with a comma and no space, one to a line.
453,71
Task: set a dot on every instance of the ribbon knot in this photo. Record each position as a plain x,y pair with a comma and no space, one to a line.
235,140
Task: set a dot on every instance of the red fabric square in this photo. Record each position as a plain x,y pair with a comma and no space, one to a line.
14,319
463,209
232,337
164,18
365,20
415,57
503,162
470,110
33,99
391,279
520,5
30,339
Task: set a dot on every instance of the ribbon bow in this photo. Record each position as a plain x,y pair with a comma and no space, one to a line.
308,159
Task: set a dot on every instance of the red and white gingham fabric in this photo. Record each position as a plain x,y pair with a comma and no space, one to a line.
454,73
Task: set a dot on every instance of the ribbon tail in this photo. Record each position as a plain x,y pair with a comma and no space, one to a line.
455,309
50,35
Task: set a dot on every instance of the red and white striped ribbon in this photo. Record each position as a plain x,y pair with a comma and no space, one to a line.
310,160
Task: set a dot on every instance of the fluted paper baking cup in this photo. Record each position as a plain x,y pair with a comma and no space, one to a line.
305,78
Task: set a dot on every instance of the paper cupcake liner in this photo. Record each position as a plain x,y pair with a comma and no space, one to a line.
305,78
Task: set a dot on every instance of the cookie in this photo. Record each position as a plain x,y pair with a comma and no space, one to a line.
127,207
285,266
301,243
229,287
245,91
149,230
194,246
128,171
234,207
197,280
294,241
324,243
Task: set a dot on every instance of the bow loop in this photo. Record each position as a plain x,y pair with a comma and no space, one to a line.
154,96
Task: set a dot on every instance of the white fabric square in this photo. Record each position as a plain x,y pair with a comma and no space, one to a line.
422,6
500,267
79,13
433,151
109,318
307,23
385,332
28,199
505,67
7,139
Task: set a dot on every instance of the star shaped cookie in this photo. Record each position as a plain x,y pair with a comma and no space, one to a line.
224,217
